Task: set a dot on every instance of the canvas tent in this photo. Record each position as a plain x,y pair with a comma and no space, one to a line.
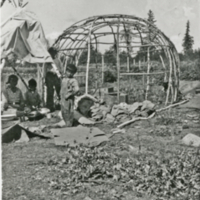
23,35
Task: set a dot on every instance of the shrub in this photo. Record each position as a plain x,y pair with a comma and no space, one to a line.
190,70
109,76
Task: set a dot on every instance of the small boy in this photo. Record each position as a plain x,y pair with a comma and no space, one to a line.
69,88
32,98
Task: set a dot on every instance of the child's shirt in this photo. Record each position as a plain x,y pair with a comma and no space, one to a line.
68,86
32,98
13,97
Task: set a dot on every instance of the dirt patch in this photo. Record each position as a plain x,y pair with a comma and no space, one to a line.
38,169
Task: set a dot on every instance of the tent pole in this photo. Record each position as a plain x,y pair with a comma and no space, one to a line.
128,67
45,87
102,56
43,83
163,64
118,66
88,63
14,3
23,81
20,77
38,78
139,65
148,76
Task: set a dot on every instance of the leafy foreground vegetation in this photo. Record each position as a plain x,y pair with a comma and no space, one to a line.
147,162
160,175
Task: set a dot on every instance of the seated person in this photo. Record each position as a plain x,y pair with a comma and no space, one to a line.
13,94
32,98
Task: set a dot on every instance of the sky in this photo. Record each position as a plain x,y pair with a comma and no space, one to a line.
170,15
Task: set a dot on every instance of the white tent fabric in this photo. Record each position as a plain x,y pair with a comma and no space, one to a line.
24,36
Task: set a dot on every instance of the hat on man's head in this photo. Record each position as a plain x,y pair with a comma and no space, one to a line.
72,68
12,77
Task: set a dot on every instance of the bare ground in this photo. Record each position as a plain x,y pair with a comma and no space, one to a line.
29,174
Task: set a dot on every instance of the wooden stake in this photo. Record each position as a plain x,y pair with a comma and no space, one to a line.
65,65
148,77
76,60
139,65
175,86
102,72
163,64
143,80
138,74
170,78
39,79
118,67
128,67
43,84
88,62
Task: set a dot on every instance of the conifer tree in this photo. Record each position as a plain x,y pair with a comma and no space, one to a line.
188,40
149,38
151,20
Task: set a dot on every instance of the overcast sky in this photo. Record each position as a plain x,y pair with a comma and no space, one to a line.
171,15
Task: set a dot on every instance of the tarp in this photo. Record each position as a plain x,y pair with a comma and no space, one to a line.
73,136
23,34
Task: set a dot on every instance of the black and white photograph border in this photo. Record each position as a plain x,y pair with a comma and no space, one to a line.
100,99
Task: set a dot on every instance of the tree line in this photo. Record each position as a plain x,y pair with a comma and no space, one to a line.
127,35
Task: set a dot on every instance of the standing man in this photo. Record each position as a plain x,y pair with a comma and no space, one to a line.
53,82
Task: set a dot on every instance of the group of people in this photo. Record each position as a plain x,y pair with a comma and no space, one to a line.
66,88
13,97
